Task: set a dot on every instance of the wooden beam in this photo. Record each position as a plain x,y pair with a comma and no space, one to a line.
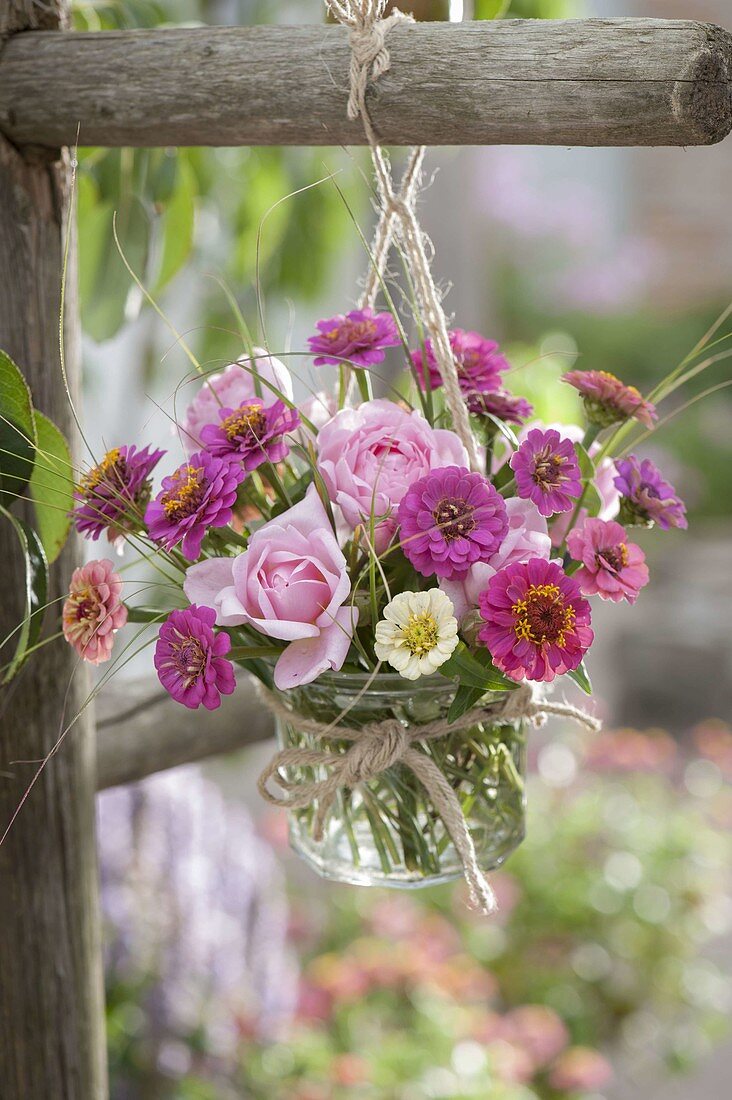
535,82
52,1040
141,730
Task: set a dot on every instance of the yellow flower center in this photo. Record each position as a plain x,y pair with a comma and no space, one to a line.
421,633
542,616
246,420
111,463
184,497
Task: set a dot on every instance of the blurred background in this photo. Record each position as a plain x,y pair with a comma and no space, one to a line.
231,970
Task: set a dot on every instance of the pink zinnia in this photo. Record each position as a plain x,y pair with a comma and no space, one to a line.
191,659
198,495
261,376
612,568
450,519
93,611
537,623
607,400
479,364
253,433
647,496
547,471
112,496
358,338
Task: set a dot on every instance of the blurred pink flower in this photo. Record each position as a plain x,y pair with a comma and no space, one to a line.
580,1069
629,750
538,1030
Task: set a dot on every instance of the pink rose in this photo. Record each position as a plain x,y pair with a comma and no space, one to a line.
527,538
370,455
290,583
230,389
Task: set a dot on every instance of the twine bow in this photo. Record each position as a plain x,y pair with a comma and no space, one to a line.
369,60
377,746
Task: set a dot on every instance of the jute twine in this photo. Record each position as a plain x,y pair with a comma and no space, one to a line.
368,32
377,746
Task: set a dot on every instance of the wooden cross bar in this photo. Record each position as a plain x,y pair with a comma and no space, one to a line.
527,82
576,82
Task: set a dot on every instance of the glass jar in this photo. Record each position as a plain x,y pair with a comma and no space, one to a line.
386,831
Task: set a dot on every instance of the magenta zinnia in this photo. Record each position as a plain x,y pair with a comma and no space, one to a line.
112,496
537,623
607,400
93,611
547,471
200,494
478,361
253,433
358,338
612,567
646,496
501,404
450,519
190,658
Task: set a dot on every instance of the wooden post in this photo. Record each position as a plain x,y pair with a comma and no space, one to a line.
52,1044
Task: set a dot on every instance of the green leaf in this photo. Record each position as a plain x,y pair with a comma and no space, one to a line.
586,465
177,225
581,678
147,614
17,431
592,500
52,487
491,9
36,592
475,671
465,699
105,286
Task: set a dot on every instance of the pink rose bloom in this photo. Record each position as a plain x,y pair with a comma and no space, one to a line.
527,538
233,387
290,583
612,568
93,611
369,456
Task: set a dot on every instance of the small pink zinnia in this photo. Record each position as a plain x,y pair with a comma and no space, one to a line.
190,658
479,365
612,567
547,471
537,623
253,433
93,611
358,338
607,400
198,495
450,519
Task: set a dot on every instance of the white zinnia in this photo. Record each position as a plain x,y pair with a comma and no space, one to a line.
418,633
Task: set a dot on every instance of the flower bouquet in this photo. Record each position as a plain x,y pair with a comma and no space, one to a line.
393,597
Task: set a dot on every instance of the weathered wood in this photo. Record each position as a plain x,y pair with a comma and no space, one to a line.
141,730
572,82
52,1042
